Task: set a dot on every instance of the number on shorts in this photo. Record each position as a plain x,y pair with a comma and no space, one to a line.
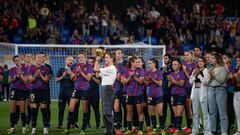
32,97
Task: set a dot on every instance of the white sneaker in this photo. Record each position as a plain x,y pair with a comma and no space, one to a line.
45,131
33,131
24,129
224,134
11,130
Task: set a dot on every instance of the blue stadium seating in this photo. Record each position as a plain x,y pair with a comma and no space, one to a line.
17,38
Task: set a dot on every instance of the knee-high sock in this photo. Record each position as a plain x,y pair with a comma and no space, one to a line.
34,117
45,117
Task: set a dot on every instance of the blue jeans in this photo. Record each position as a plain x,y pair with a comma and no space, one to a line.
217,101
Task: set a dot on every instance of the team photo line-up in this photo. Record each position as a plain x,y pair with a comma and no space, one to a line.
134,92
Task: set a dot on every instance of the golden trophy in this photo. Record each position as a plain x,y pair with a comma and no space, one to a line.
101,51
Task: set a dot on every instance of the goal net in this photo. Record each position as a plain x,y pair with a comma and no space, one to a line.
56,55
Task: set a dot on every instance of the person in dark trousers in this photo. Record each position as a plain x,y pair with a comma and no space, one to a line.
6,85
166,70
66,88
1,81
108,74
94,95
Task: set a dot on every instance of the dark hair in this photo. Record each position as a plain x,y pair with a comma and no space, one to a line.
169,56
111,56
144,65
204,60
155,61
119,50
178,60
14,57
41,53
129,63
219,59
198,48
229,55
238,56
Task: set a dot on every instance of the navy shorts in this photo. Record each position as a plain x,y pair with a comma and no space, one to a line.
188,92
39,96
80,94
19,95
133,100
154,101
119,95
177,100
28,94
65,94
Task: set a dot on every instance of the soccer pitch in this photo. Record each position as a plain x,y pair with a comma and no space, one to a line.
5,124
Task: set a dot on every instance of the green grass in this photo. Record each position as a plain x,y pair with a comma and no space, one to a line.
4,122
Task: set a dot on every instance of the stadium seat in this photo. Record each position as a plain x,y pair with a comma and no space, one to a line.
153,40
99,39
20,31
17,39
187,47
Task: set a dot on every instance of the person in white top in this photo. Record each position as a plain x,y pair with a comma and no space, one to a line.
108,74
199,80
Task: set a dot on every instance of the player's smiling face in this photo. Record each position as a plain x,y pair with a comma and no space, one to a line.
28,58
81,59
175,65
187,56
151,65
17,61
39,59
119,54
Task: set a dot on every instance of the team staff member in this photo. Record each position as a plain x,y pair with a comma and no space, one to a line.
108,75
132,78
199,80
176,83
188,67
17,79
166,70
230,90
94,95
155,95
217,95
66,88
82,75
39,76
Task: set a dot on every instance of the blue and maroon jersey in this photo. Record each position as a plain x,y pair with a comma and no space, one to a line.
178,90
18,83
132,87
143,87
1,73
81,83
230,82
155,90
28,72
189,68
117,84
39,84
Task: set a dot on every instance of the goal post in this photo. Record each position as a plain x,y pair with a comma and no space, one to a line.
56,54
